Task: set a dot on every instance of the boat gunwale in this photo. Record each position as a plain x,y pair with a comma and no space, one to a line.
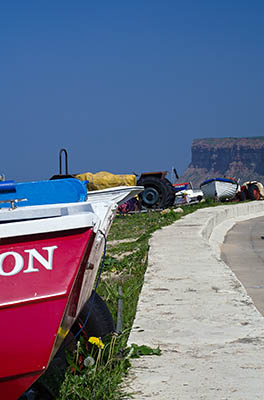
227,180
47,225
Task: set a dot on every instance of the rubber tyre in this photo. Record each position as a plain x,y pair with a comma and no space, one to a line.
171,192
158,193
100,322
253,192
36,392
242,196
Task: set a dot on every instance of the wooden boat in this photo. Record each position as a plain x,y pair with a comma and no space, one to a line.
51,241
220,188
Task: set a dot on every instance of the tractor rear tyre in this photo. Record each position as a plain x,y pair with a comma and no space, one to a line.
242,196
253,192
158,193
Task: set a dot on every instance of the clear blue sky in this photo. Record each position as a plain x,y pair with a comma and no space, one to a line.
125,86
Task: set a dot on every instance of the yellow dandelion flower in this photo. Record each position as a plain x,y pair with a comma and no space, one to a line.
97,341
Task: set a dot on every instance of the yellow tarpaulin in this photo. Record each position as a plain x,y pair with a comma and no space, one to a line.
103,180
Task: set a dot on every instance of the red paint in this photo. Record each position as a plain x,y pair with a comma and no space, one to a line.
256,194
33,304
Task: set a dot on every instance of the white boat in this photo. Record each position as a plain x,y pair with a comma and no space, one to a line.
220,188
184,193
118,194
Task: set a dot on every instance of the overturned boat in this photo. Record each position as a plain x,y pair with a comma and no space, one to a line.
220,188
52,236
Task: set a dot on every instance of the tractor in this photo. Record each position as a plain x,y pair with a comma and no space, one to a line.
159,191
251,190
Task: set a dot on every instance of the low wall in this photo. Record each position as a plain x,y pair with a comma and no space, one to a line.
238,212
217,221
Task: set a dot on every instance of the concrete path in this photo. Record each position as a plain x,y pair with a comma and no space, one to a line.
195,309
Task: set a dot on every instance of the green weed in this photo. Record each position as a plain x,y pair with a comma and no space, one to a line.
96,369
101,380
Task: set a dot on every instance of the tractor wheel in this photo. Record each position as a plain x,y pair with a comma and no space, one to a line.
99,323
253,192
158,193
242,196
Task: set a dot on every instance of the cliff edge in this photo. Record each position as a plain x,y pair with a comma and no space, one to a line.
241,158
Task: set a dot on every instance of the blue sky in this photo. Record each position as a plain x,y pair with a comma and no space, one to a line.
125,86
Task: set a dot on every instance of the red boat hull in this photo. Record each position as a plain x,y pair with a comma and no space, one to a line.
40,283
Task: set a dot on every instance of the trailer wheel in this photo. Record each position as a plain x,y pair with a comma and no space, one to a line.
37,392
100,322
158,193
253,192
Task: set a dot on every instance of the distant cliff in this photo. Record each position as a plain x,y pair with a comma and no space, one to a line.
242,158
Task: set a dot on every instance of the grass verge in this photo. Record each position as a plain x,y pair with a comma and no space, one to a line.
96,371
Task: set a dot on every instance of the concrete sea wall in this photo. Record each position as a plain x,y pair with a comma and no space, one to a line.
194,308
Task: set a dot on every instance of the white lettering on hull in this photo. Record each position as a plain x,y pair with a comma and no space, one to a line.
18,261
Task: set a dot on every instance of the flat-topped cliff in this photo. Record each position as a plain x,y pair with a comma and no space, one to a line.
242,158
